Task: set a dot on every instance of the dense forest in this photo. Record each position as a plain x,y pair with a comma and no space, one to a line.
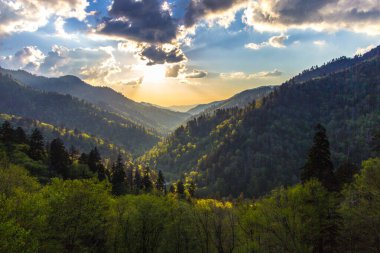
64,111
91,212
262,146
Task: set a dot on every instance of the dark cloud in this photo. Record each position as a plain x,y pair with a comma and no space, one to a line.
159,55
199,9
197,74
143,21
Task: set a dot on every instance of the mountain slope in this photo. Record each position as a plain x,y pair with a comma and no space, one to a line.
65,111
149,116
240,100
264,145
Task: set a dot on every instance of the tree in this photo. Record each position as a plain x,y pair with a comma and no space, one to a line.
160,183
93,160
73,153
118,177
6,133
20,136
137,181
191,189
146,181
180,187
59,160
319,165
345,173
36,149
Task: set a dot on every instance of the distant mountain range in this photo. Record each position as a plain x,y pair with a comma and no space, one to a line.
67,112
263,145
239,100
151,117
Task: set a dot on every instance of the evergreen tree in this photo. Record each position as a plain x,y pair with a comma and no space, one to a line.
118,177
6,132
146,181
73,153
180,187
319,165
94,160
20,136
191,189
36,149
59,160
83,159
137,181
345,173
129,178
160,184
172,188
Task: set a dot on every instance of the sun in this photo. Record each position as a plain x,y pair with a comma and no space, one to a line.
154,74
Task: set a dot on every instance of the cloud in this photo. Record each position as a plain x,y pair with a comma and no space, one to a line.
331,15
135,82
174,70
244,76
142,21
361,51
156,54
28,58
221,10
29,15
320,43
275,41
197,74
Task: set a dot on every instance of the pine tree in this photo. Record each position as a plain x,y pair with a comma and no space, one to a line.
6,132
137,181
129,178
20,136
73,153
118,177
94,160
160,184
319,165
345,173
172,188
180,187
191,189
37,147
59,160
146,181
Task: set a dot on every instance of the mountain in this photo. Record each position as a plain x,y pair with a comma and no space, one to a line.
84,142
264,145
181,108
147,115
64,111
240,100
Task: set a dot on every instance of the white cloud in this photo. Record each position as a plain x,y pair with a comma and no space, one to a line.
244,76
29,15
28,58
275,41
361,51
320,43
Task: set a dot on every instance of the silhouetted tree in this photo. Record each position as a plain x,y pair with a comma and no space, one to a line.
137,181
319,165
160,183
20,136
118,177
180,187
37,147
6,132
59,160
146,180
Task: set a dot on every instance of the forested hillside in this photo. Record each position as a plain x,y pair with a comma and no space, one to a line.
149,116
65,111
82,141
264,145
239,100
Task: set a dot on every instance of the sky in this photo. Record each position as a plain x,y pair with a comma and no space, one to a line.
183,52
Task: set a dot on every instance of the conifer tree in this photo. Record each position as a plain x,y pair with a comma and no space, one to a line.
160,184
37,147
20,136
6,132
94,160
59,160
146,181
129,178
319,165
137,181
118,177
180,187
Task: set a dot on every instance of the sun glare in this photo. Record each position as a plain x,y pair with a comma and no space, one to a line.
154,74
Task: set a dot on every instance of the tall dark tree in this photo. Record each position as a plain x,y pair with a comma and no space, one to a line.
319,165
6,132
137,181
146,180
94,160
73,153
180,187
37,147
191,189
345,173
118,177
20,136
160,183
59,160
129,178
